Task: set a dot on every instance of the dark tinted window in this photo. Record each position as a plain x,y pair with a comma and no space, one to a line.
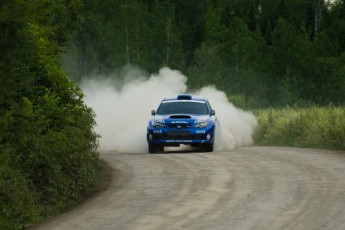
180,107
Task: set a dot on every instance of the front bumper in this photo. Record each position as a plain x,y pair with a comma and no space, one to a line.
175,137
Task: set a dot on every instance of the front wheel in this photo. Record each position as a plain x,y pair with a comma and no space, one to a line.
161,148
209,147
152,148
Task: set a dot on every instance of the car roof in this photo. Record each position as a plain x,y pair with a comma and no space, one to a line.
184,97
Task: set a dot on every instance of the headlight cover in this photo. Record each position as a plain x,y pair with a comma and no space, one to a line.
158,122
201,122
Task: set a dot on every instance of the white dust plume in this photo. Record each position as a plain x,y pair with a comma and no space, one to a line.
122,112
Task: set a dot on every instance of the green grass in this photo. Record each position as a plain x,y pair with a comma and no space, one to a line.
312,127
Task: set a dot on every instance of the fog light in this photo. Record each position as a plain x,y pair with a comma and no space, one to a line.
208,137
150,136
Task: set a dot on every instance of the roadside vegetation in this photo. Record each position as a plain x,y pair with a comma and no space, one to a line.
310,127
48,158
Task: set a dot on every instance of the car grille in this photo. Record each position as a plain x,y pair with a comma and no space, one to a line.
179,136
178,126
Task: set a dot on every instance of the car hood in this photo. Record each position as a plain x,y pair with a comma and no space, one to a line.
181,119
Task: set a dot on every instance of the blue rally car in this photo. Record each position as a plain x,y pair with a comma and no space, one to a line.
182,120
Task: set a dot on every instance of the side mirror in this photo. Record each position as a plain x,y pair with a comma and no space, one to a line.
213,113
153,112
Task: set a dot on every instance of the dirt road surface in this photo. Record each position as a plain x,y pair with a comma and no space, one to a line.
246,188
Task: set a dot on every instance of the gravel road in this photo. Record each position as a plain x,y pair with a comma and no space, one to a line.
246,188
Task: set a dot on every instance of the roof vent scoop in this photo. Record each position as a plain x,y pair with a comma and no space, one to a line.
184,97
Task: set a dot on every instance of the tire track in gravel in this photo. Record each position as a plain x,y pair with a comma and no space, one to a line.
246,188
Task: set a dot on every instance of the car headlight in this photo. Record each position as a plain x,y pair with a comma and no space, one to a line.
202,124
158,122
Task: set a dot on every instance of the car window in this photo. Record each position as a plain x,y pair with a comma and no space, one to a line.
182,108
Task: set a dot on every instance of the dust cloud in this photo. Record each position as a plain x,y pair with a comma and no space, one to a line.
123,110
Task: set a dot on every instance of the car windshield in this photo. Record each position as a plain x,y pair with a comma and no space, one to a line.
183,107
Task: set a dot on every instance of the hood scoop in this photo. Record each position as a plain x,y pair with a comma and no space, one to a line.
180,117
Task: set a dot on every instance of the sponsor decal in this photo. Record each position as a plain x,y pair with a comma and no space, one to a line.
157,131
179,141
179,122
200,131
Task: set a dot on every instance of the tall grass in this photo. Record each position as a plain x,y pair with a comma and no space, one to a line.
312,127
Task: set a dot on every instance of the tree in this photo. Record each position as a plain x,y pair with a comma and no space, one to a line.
119,33
288,56
166,46
267,42
48,155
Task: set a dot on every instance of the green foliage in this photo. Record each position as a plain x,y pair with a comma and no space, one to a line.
119,33
276,52
16,197
48,157
312,127
240,101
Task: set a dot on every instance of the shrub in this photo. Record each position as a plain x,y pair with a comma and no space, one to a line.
315,127
16,196
48,157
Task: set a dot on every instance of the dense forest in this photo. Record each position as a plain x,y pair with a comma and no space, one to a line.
265,52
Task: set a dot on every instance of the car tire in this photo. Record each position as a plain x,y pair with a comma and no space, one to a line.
209,147
161,148
153,148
